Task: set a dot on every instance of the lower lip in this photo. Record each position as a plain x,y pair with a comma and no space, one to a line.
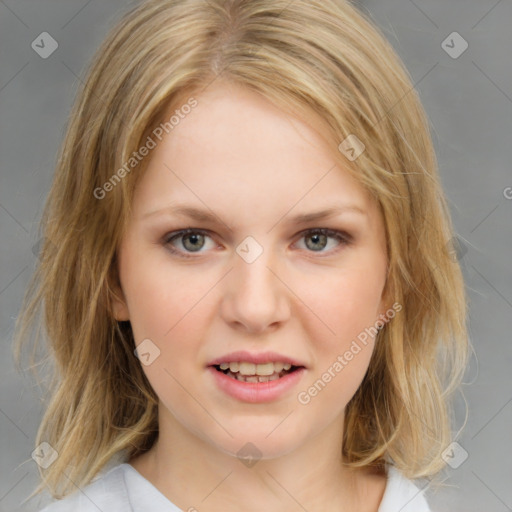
256,392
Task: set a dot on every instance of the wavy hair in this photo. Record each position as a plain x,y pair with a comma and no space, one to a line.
324,62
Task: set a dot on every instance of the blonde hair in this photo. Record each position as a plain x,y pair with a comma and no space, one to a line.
324,62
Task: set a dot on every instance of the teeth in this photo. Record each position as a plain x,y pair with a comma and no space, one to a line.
265,369
250,369
247,368
253,378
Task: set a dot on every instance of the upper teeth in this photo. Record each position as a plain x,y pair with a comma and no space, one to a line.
255,369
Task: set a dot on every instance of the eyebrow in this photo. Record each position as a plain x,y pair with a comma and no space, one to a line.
302,218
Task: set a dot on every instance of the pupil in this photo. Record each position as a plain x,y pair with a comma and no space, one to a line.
316,239
195,238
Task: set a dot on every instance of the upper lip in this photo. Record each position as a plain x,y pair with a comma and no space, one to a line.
256,358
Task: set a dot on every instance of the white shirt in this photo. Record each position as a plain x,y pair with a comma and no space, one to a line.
123,489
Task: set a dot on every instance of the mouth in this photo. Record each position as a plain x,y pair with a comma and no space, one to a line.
251,372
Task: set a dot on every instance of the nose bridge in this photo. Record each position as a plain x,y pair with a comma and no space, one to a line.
256,297
252,268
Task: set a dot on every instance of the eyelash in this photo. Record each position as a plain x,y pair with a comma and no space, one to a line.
341,236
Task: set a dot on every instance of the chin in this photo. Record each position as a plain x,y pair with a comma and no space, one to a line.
265,439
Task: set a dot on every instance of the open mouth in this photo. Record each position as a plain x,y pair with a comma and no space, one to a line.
249,372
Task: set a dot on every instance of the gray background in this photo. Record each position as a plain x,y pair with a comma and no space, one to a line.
469,102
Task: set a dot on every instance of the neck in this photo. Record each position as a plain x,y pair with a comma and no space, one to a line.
196,475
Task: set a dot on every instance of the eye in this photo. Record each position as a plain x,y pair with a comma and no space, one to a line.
319,239
194,240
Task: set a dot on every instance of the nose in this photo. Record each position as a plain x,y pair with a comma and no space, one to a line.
255,298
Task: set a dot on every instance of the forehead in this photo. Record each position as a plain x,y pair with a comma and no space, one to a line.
236,149
240,126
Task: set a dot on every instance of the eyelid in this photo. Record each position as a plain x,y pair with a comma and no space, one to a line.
344,238
168,237
334,233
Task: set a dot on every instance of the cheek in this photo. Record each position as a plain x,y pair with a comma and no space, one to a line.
160,299
170,309
166,308
349,307
348,304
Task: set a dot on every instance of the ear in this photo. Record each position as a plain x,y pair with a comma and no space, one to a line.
118,307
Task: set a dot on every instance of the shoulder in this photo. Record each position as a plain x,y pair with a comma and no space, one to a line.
106,492
402,494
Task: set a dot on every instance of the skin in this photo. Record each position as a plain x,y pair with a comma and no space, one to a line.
254,167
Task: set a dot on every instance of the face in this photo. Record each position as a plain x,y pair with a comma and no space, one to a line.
223,310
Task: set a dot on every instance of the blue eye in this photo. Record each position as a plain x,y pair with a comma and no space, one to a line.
194,240
320,238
